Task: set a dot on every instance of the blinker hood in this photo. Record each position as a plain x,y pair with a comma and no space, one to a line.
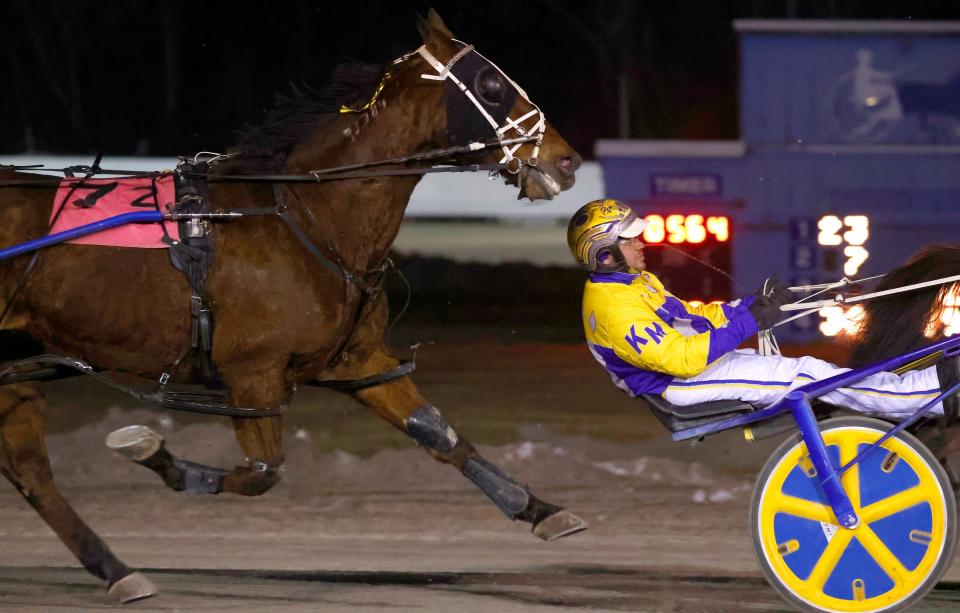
465,124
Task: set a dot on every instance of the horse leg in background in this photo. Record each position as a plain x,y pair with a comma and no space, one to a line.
401,404
24,461
944,442
260,437
942,435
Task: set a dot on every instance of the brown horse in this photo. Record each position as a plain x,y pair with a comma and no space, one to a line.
281,318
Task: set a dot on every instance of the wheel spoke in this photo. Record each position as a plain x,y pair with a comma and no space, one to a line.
850,479
893,504
799,507
882,555
828,559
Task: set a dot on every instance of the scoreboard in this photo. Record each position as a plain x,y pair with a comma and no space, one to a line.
823,250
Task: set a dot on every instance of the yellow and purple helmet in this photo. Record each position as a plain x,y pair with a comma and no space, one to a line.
594,233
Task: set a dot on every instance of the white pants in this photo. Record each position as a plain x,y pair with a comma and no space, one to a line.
762,380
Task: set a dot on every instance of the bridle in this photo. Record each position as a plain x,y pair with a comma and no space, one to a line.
479,97
469,68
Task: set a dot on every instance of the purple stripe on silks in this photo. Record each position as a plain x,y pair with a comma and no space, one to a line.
878,391
732,309
672,309
637,380
684,383
891,393
726,339
623,278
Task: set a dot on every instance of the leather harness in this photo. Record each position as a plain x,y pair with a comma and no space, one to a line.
193,254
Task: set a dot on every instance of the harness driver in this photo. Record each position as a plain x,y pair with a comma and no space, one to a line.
651,342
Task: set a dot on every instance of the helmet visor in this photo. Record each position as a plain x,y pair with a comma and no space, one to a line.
634,229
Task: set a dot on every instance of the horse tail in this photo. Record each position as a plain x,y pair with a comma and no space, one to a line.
894,324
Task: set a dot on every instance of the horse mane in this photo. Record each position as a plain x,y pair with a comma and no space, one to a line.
297,113
894,324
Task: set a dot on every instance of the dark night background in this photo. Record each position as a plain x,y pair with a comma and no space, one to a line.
155,77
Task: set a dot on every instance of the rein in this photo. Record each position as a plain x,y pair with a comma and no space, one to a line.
335,173
767,342
841,300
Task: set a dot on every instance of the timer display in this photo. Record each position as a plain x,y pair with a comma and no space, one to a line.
680,229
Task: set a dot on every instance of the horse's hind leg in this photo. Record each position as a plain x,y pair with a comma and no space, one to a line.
262,440
401,404
260,437
24,461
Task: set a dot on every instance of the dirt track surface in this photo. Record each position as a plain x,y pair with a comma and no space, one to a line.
532,590
365,521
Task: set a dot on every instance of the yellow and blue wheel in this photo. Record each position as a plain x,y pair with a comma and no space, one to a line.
901,547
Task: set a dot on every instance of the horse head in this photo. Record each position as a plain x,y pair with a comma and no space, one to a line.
483,104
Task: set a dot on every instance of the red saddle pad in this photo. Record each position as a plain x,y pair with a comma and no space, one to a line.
83,201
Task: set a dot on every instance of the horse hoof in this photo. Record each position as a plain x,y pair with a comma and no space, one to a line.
133,587
560,524
134,442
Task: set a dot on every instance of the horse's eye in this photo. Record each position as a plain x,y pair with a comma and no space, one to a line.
490,86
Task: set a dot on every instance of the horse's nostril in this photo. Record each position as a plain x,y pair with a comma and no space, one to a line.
568,164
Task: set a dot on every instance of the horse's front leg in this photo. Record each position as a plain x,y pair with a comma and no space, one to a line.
401,404
261,439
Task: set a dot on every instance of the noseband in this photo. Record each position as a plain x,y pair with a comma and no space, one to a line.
470,77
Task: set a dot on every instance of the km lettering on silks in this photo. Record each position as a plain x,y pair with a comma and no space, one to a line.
634,340
655,333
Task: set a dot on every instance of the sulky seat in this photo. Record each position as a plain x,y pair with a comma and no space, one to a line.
677,418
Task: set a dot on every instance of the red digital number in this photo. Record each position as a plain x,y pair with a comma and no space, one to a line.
655,231
676,233
678,229
696,233
719,227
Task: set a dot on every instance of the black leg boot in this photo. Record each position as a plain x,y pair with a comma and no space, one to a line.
550,522
948,372
943,436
